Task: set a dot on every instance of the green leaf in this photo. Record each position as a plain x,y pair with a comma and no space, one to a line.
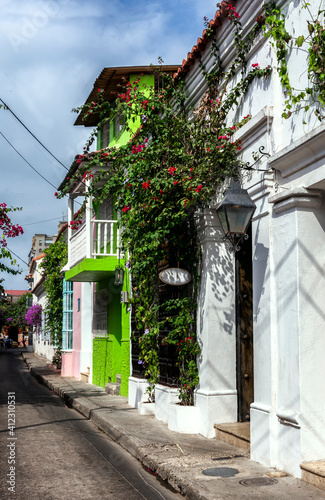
300,40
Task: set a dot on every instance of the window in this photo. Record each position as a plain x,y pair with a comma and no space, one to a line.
43,326
40,243
119,123
105,134
67,329
100,313
78,305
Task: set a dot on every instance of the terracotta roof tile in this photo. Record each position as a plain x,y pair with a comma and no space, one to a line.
39,256
202,41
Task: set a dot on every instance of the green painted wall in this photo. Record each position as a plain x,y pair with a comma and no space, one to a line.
101,361
146,83
111,354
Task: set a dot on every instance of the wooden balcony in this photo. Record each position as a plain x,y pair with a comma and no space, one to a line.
96,240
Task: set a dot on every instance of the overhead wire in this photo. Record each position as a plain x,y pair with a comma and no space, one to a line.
21,156
17,256
43,146
41,221
33,135
30,165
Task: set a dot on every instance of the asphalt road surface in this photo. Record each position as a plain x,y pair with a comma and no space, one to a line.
50,452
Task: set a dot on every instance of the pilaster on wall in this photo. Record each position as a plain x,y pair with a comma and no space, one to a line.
216,395
86,328
298,229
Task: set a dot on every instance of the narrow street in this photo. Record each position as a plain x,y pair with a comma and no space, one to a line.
50,451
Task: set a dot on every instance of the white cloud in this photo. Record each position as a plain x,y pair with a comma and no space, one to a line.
49,61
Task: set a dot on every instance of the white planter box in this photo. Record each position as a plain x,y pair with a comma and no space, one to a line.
146,408
185,419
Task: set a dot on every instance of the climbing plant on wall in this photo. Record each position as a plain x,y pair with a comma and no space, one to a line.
313,43
168,172
55,259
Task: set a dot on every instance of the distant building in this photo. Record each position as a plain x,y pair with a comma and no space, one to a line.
41,242
14,295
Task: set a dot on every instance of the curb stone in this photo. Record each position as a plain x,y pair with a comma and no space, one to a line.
178,459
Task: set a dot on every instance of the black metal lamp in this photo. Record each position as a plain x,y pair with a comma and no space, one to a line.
235,213
119,276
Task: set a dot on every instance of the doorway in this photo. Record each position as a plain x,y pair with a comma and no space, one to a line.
244,329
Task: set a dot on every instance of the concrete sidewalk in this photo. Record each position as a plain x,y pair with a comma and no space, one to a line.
197,467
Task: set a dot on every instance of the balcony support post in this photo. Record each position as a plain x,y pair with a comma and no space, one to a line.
70,219
89,226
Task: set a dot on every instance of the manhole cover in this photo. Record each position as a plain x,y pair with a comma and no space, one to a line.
258,481
221,472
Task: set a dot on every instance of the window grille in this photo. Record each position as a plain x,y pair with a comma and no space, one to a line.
67,329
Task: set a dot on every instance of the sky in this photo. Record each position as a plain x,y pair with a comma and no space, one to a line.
51,53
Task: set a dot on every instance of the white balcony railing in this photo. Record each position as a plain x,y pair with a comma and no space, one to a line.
105,238
101,239
77,246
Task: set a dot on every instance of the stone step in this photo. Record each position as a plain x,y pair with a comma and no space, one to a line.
84,376
237,433
314,473
113,388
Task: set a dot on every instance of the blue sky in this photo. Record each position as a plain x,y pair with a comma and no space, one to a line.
51,53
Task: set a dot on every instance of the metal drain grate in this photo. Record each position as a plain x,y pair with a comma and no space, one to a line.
221,472
258,481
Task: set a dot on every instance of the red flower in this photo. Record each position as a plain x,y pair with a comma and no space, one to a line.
255,65
126,209
176,182
198,189
172,170
146,185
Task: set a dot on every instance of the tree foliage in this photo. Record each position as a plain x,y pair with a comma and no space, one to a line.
8,230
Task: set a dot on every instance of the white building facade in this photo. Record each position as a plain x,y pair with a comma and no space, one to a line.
286,253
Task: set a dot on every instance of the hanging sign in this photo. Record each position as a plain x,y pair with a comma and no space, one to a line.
175,276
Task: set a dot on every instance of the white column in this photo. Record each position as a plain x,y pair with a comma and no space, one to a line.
298,241
86,348
216,395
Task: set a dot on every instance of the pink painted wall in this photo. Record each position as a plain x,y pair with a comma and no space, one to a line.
71,359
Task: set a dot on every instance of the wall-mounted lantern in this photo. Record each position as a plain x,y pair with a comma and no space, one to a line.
235,213
119,276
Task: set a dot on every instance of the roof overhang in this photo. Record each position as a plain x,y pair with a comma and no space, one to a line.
75,183
111,82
